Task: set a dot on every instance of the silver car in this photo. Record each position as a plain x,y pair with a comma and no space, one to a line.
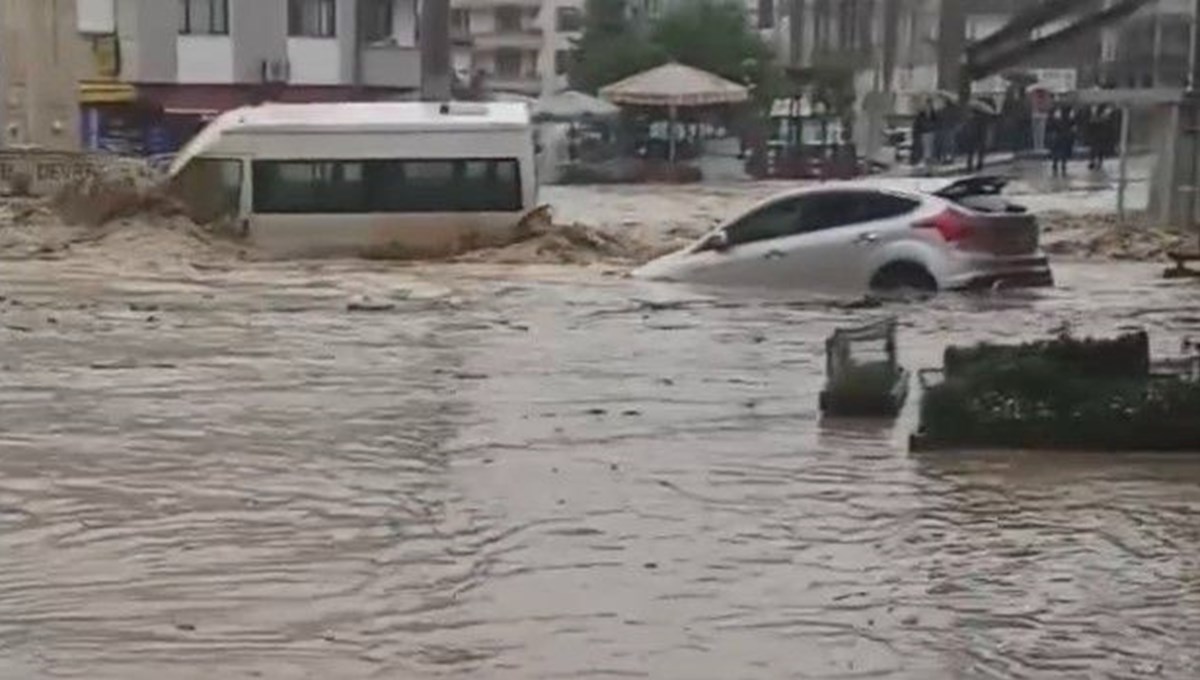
882,235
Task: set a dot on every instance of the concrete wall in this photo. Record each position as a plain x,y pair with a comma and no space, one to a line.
43,59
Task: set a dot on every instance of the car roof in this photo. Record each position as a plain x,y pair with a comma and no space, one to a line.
923,187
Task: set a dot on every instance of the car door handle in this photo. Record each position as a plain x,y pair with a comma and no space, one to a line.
775,255
867,238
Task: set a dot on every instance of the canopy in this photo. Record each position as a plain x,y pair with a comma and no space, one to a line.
674,85
571,106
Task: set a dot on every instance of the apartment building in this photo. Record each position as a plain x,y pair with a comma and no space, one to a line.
39,73
184,61
1151,48
519,46
897,46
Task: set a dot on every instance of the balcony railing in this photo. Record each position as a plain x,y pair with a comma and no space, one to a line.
491,4
527,37
529,83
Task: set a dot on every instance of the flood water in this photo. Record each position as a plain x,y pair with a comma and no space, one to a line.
551,474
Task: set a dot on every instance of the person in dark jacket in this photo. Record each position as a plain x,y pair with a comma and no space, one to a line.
974,138
1060,130
922,125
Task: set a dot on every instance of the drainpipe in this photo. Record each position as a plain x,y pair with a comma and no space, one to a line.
359,37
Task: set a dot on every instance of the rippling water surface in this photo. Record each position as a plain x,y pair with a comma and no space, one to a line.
551,475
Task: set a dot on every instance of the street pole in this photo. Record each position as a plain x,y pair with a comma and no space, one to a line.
1123,163
435,50
1192,99
1158,36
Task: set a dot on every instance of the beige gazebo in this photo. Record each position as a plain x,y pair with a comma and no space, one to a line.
673,86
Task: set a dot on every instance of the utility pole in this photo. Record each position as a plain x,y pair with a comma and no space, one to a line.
1192,102
1158,37
951,48
435,50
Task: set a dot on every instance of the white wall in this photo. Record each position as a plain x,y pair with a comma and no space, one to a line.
204,59
315,61
96,16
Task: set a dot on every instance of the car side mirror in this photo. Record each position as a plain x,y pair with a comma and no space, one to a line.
718,241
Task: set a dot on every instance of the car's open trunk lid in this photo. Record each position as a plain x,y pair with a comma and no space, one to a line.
999,226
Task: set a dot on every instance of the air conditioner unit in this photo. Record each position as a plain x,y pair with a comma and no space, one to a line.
275,70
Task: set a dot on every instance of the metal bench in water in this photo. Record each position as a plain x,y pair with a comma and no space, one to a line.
863,376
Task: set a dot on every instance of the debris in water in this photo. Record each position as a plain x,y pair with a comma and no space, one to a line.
365,303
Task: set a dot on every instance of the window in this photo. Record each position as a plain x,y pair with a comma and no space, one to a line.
562,61
773,221
387,186
380,18
508,19
204,17
569,19
840,208
460,22
312,18
508,63
869,206
210,189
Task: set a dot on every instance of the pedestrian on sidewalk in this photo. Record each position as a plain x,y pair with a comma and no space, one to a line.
1061,132
921,128
974,139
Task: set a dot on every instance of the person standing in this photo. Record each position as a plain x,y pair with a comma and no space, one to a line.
1040,111
974,138
1061,131
920,128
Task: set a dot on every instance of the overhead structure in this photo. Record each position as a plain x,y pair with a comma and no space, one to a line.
1013,43
674,85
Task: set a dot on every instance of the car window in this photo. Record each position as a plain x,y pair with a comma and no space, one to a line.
842,208
772,221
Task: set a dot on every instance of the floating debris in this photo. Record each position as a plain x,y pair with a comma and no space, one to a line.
855,388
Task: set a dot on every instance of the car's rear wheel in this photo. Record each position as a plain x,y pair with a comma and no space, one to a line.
898,277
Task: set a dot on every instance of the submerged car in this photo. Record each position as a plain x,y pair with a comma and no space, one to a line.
882,235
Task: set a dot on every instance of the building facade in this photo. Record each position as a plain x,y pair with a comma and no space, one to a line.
184,61
901,47
1152,48
518,46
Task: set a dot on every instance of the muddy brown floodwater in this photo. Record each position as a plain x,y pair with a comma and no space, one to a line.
549,473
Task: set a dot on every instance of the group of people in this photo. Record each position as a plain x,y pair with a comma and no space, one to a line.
944,131
1097,127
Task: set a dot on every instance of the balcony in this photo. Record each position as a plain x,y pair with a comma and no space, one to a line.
529,83
526,38
386,65
491,4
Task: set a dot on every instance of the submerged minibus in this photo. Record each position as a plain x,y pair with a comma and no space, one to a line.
419,179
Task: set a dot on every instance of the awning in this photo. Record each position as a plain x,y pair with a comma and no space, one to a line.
106,92
674,85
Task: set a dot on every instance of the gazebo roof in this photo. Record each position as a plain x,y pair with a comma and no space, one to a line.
674,84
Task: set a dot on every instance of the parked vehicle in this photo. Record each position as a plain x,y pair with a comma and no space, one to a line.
933,235
407,178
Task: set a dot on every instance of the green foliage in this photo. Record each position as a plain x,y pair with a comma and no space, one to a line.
611,48
1127,356
712,35
1061,394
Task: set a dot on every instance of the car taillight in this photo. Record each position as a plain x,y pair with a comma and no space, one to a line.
951,225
